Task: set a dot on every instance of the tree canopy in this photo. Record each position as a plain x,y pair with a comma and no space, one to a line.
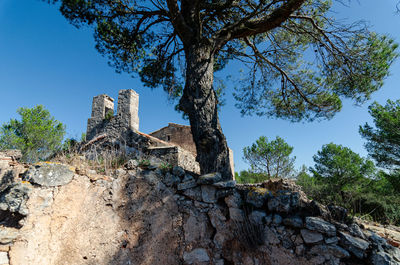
383,141
341,168
270,158
37,134
300,60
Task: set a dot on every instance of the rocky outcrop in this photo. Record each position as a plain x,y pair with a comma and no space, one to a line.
152,216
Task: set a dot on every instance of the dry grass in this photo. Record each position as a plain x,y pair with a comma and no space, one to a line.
102,159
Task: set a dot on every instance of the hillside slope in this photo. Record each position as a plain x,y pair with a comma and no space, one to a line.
54,214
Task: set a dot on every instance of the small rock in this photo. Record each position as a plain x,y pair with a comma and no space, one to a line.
196,256
152,167
317,224
208,193
268,219
234,200
91,172
210,178
298,240
300,250
270,237
7,235
393,252
317,250
340,226
380,258
131,164
355,245
193,193
338,213
186,185
178,171
224,193
277,219
14,198
82,171
49,174
257,217
331,240
337,251
216,217
294,221
171,180
225,184
258,196
4,248
236,214
287,243
202,206
119,172
355,230
377,239
311,237
187,178
4,258
279,204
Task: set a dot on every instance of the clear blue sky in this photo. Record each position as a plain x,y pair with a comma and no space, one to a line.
45,60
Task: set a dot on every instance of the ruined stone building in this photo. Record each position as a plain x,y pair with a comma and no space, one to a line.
173,143
181,135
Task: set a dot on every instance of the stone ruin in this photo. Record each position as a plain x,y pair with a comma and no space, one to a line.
103,113
173,144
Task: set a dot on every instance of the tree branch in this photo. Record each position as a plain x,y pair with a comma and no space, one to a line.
252,27
183,30
282,72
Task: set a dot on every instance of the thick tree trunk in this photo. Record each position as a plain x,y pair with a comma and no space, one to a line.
199,101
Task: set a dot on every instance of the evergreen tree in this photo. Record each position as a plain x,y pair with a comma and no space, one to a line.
179,44
270,158
38,135
383,141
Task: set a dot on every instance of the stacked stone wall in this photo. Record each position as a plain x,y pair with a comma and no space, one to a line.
149,215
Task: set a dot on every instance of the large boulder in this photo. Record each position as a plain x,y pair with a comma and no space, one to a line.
49,174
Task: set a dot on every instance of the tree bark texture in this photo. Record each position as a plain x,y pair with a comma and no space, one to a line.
199,102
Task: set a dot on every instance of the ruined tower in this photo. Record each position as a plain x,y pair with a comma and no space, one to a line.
102,105
128,108
103,119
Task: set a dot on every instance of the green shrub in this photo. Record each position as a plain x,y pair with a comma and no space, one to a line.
165,167
250,177
144,163
109,115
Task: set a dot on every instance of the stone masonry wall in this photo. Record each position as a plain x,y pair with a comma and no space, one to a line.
177,134
143,216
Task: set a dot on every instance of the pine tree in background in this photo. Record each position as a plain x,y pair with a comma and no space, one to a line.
38,135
